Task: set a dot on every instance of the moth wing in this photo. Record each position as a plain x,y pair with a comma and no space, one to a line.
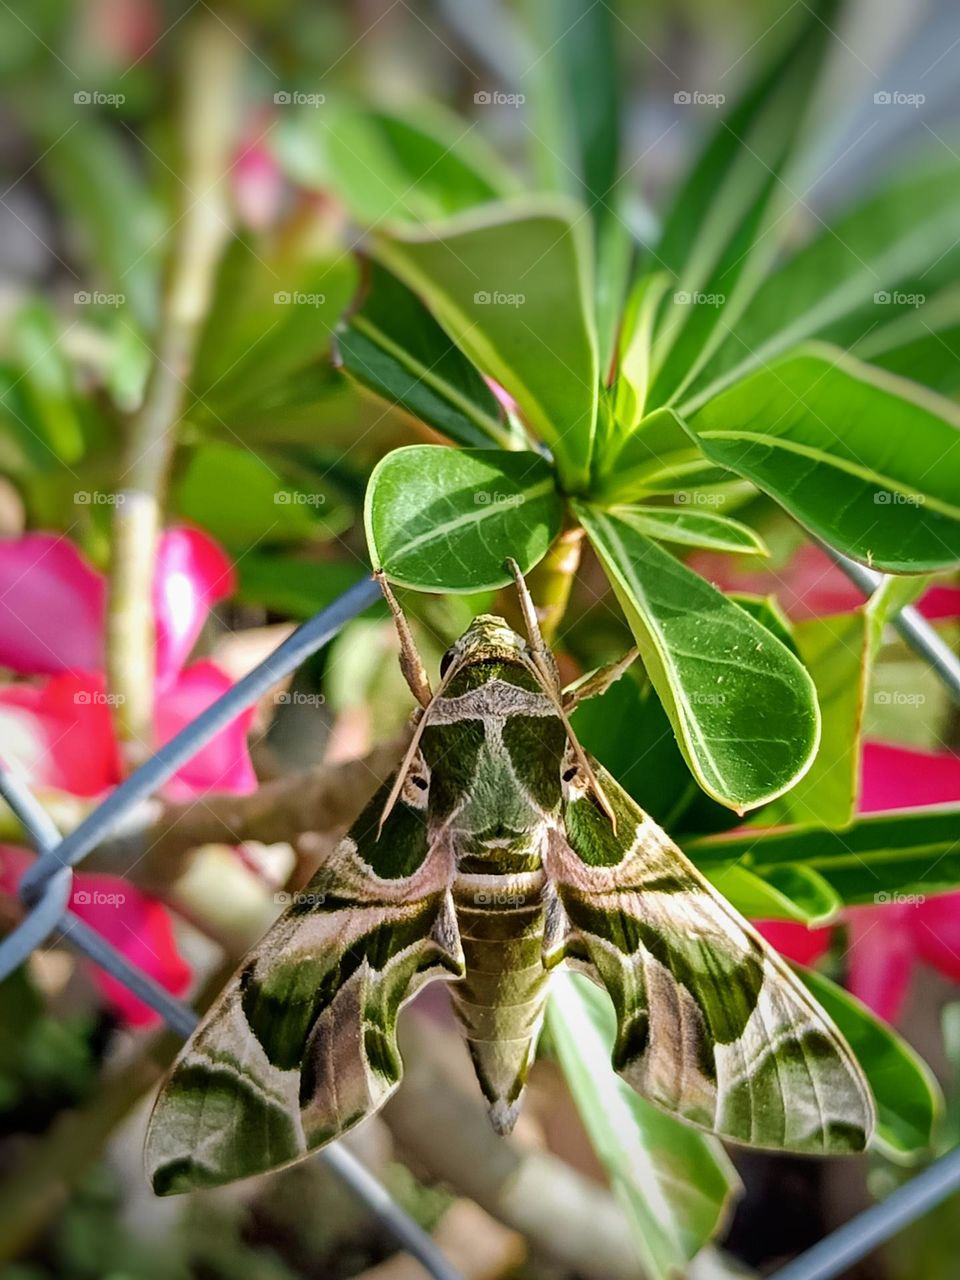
712,1024
301,1044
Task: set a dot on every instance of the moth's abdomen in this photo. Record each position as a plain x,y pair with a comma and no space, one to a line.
500,1000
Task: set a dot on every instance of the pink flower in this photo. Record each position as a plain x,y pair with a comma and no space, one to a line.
810,585
887,942
53,622
259,188
59,731
135,923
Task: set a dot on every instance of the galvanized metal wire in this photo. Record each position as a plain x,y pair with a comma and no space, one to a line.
46,892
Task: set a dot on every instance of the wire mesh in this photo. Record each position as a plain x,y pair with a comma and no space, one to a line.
46,891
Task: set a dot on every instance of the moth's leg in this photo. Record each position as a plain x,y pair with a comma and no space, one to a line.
546,664
599,681
411,664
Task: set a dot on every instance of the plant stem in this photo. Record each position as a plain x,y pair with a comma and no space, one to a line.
211,70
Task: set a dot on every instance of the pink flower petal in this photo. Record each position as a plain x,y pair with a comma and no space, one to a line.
809,586
794,940
258,185
940,602
137,925
51,606
140,928
881,957
224,763
898,778
936,933
192,574
58,733
13,863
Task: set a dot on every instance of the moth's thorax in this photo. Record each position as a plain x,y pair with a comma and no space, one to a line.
494,742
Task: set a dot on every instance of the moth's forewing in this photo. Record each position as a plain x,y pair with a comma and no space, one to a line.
712,1025
301,1044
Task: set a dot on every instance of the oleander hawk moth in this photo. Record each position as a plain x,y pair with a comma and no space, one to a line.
500,850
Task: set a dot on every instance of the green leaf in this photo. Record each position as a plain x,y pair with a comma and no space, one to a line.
394,346
575,104
243,499
441,519
274,311
45,390
512,285
731,217
922,344
913,851
827,290
658,456
907,1095
778,893
866,461
298,588
636,337
839,652
674,1183
392,167
692,528
742,707
120,225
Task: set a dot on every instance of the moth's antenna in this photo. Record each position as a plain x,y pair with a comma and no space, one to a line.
542,661
405,763
411,664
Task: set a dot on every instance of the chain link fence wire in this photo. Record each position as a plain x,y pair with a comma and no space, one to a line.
46,890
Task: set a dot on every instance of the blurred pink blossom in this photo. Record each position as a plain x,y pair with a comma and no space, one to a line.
58,730
259,188
810,585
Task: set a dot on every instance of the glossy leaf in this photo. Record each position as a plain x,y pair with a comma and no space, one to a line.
629,732
866,461
674,1183
922,343
779,893
828,289
443,519
658,456
636,338
839,652
905,1090
575,107
512,285
394,346
742,707
908,851
689,527
730,218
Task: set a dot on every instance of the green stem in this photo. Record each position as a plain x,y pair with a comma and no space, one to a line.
212,64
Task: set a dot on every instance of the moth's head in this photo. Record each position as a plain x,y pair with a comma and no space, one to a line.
487,639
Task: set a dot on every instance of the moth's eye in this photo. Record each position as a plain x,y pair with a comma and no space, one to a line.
568,775
421,783
445,662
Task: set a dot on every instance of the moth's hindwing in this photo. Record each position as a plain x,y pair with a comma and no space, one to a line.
301,1044
712,1025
